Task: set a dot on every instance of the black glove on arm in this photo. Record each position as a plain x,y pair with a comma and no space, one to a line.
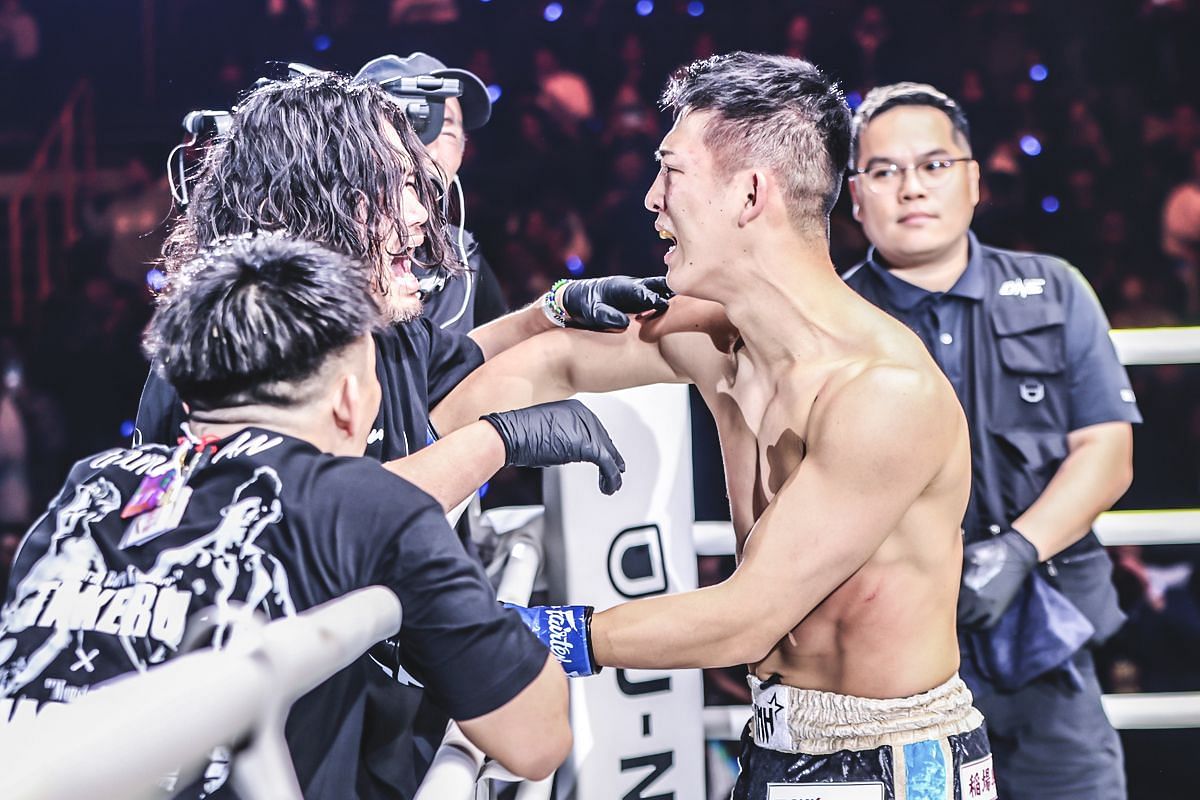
993,571
555,433
606,303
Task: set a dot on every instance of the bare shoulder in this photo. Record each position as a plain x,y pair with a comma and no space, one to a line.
693,335
885,409
691,315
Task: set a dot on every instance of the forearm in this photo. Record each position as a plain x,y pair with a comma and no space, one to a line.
552,366
701,628
530,735
456,465
1093,476
535,372
500,334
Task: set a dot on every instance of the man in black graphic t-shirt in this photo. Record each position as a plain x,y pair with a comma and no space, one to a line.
260,509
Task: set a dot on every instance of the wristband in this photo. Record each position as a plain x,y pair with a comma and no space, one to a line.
554,310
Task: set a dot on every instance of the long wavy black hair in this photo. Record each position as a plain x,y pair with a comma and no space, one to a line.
310,157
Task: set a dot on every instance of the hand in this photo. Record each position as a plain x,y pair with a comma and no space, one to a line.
606,303
567,631
561,432
993,571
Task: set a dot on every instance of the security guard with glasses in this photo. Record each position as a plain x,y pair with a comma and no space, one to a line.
1025,344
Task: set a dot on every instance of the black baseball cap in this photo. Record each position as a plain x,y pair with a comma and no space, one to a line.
476,104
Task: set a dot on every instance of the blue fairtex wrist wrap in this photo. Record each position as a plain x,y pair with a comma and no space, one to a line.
567,631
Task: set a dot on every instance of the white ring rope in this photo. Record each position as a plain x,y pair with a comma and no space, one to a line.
1179,526
1141,346
1145,711
1153,710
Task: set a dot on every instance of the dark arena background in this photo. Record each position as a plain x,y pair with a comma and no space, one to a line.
1085,118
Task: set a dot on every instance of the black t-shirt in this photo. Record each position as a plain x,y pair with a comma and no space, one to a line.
278,527
417,363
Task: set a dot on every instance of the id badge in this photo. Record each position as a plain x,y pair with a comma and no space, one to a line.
151,493
160,520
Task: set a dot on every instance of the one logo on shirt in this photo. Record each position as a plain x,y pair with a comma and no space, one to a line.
1032,391
376,435
1128,396
1022,287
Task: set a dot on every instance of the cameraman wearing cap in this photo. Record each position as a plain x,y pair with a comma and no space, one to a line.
452,302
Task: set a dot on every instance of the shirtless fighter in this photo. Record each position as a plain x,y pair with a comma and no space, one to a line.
846,456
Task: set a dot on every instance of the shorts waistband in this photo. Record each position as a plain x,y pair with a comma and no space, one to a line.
793,720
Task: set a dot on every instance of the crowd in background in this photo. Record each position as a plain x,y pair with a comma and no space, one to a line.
1085,119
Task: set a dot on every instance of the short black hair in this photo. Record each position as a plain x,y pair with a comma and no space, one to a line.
779,111
311,156
250,319
906,93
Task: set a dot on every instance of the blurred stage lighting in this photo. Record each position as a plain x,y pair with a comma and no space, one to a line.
574,265
695,8
494,91
644,8
127,428
1038,73
553,12
854,100
1030,145
321,43
1049,204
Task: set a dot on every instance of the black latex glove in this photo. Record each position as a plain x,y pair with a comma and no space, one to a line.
993,571
561,432
605,303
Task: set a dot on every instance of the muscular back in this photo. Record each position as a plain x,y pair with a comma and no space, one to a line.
885,626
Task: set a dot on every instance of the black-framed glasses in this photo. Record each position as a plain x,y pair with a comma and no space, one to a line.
887,178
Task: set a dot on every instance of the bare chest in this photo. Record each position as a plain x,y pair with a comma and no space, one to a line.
763,431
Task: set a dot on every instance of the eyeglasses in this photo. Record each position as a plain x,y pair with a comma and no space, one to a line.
886,178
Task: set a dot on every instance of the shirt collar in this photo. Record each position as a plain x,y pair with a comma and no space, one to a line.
905,296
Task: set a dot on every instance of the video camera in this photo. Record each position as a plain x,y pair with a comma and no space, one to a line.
423,99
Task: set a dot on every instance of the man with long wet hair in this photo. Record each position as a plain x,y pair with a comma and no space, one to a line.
329,161
337,163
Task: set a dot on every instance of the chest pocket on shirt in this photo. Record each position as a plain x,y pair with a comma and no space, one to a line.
1029,390
1030,336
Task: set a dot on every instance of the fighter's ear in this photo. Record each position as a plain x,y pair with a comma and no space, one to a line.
757,185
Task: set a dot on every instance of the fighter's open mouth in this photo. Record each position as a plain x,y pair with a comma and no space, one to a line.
663,233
